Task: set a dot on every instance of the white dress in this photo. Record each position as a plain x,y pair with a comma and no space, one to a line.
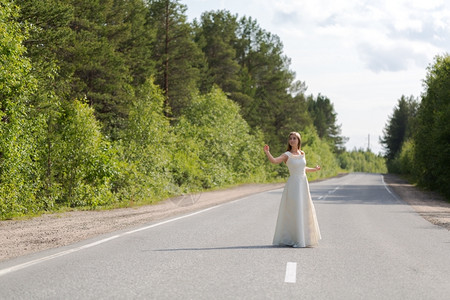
297,224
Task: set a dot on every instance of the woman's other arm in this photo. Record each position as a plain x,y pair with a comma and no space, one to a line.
317,168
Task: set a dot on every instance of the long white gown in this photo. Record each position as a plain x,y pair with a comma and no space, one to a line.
297,224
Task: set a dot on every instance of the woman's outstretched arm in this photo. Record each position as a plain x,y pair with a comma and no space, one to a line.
275,160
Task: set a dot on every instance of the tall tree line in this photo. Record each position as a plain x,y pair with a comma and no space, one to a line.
103,50
417,135
106,102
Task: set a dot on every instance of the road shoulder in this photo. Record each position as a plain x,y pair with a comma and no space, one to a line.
430,205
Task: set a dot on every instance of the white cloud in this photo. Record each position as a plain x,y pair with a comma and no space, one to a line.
388,35
394,57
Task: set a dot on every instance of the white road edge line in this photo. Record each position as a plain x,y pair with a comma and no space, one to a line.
387,189
59,254
291,272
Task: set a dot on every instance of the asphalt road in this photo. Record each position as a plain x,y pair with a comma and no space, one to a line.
374,246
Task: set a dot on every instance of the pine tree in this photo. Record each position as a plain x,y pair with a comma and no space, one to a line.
325,121
266,79
399,126
217,38
49,38
99,70
178,59
136,45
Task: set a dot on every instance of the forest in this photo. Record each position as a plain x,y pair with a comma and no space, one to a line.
417,134
114,103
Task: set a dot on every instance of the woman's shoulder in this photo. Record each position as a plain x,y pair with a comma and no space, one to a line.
287,153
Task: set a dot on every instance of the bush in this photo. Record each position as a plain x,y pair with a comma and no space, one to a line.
219,148
82,161
318,152
19,169
405,159
146,147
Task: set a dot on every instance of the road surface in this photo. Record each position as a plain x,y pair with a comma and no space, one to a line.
374,246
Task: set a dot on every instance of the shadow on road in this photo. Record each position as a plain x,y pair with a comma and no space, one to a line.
355,194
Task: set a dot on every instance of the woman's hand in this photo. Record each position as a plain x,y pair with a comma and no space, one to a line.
317,168
266,148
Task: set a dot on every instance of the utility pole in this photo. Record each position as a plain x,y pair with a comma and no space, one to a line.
368,142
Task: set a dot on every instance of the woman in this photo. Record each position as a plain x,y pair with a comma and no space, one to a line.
297,222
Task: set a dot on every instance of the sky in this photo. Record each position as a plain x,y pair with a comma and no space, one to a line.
361,54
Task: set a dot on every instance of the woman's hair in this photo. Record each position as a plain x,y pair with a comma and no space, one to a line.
289,148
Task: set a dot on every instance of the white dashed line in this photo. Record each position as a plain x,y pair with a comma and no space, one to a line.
323,197
291,272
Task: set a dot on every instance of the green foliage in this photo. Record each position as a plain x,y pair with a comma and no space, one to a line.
324,118
399,127
318,152
146,146
100,73
294,116
248,64
432,138
405,162
82,167
219,139
362,161
19,178
15,67
135,46
266,79
49,38
417,136
178,60
217,38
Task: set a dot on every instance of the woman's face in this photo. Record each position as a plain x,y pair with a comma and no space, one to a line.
293,140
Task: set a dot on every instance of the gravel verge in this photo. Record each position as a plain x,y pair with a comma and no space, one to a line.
430,205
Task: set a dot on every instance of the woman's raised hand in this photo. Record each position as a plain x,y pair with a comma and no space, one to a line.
266,148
